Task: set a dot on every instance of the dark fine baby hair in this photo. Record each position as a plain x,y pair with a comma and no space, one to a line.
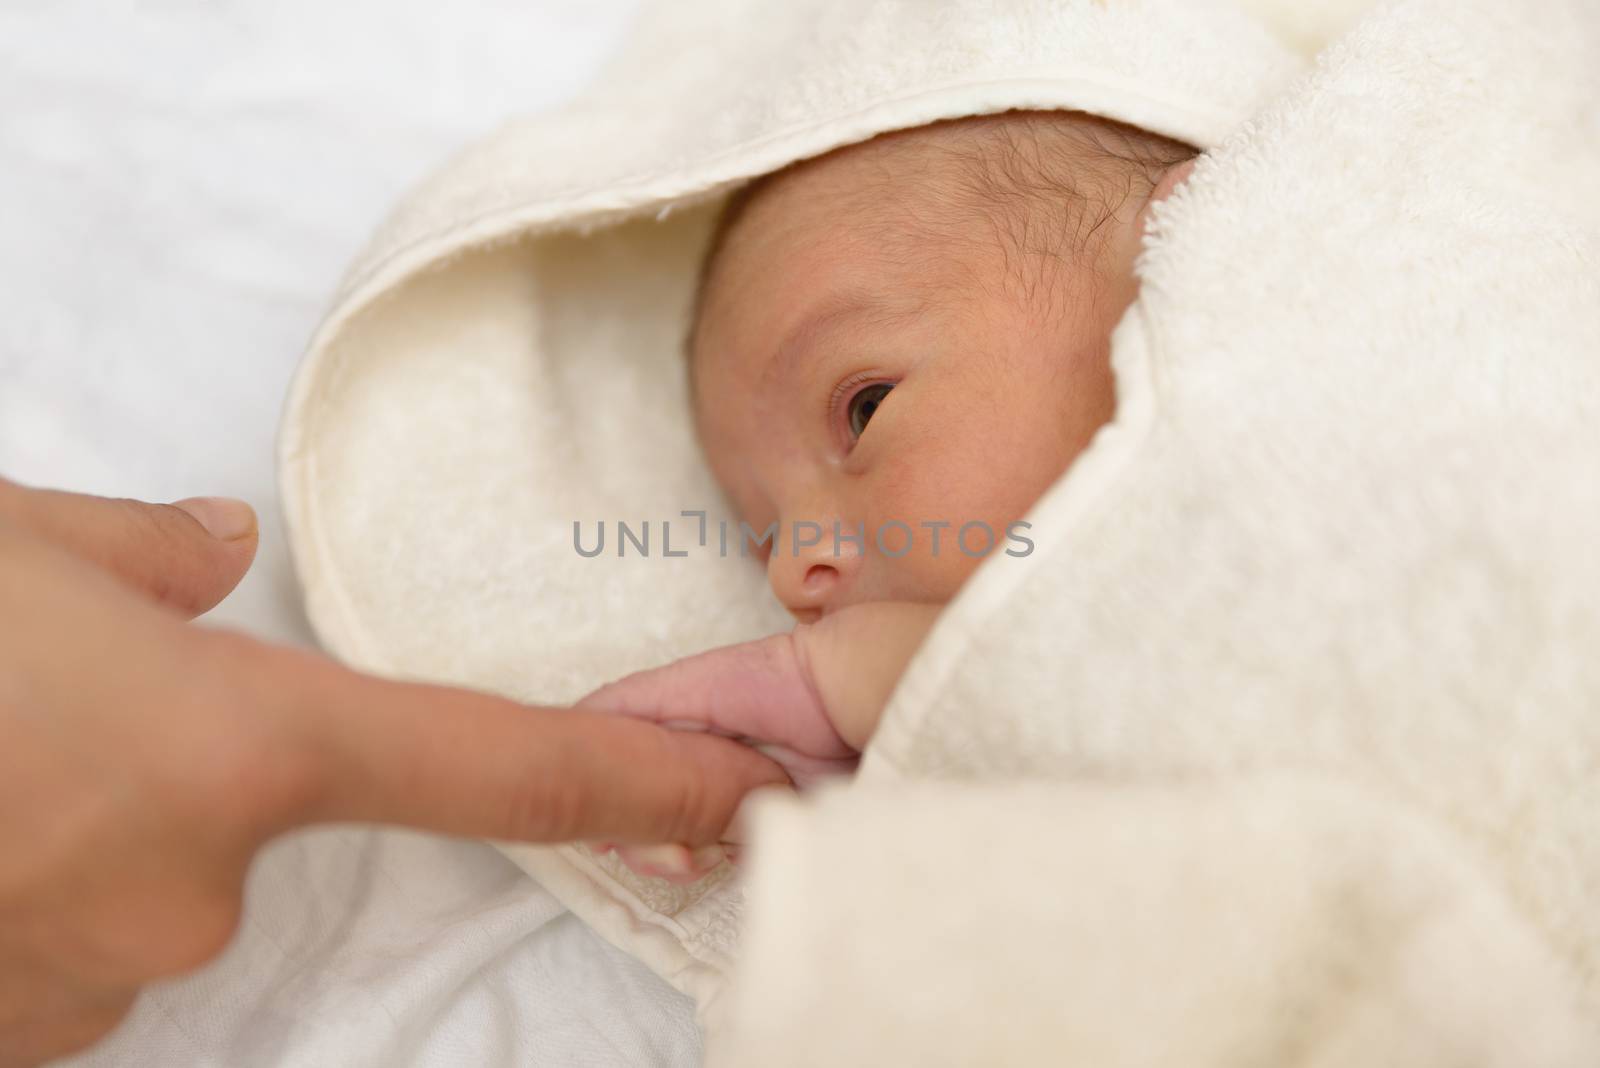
1041,186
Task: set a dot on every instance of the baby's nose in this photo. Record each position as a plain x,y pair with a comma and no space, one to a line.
811,580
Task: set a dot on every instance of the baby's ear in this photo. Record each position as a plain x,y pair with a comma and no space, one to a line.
1168,185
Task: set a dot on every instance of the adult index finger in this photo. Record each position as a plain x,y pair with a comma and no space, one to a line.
462,762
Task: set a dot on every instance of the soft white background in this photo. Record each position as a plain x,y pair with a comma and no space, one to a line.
182,184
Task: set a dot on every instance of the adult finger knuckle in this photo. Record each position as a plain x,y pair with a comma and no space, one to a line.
692,810
546,811
259,768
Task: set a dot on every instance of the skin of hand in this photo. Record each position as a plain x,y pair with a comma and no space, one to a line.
810,699
144,761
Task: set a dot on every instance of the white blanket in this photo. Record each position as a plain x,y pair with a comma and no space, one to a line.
1302,660
1307,647
442,437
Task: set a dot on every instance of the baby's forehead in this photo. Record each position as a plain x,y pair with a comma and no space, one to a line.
943,208
1023,184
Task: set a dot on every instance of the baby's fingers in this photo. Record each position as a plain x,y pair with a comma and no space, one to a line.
755,690
673,862
804,769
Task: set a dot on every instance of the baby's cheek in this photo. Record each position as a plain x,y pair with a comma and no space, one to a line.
957,507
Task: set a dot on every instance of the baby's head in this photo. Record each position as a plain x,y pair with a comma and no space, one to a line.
915,331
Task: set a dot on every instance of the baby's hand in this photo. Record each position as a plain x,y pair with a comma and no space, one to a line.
759,692
809,699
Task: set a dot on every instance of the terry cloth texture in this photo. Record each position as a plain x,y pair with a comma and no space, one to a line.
504,360
1307,633
1300,679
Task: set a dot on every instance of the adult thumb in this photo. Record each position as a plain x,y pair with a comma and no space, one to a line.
188,555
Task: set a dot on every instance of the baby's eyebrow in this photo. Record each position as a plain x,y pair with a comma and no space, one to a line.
832,315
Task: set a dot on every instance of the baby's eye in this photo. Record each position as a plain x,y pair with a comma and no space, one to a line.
863,404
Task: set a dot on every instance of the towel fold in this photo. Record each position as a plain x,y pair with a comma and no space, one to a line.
1300,677
442,439
1300,672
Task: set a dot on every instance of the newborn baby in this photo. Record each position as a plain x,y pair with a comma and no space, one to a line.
904,333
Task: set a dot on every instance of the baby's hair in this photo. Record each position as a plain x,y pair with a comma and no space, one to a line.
1041,185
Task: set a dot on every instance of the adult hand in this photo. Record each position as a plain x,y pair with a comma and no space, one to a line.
144,761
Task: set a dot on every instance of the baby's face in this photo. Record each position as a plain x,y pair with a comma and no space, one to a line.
844,375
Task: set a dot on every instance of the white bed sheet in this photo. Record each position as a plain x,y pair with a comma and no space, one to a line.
184,181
